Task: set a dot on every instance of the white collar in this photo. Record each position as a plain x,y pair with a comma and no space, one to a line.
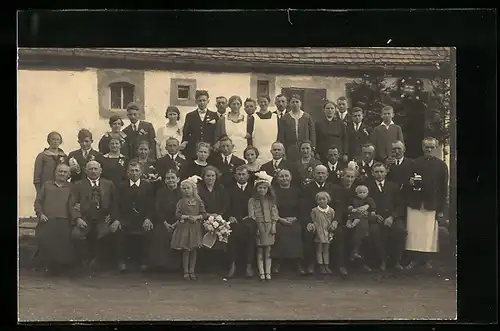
370,164
138,183
324,210
357,125
401,159
342,115
386,124
200,164
94,180
173,157
136,124
334,166
242,186
320,186
110,157
227,157
88,151
278,161
296,116
382,182
202,111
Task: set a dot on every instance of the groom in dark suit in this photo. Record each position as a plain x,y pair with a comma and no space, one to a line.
357,134
198,126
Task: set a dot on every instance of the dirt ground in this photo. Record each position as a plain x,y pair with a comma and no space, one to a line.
109,297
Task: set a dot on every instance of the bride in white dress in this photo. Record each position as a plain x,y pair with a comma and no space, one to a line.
234,124
265,130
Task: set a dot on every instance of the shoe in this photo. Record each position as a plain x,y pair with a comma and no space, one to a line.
122,267
193,276
262,277
398,267
367,268
355,256
322,269
249,271
187,277
343,271
328,270
412,265
268,276
310,270
301,271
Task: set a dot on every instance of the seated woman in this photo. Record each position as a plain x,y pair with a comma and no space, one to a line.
47,161
288,245
306,163
167,196
195,167
253,165
52,207
215,199
114,166
116,124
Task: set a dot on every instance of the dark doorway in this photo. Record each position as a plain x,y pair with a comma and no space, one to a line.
312,99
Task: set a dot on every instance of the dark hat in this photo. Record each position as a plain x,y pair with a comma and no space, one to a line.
133,105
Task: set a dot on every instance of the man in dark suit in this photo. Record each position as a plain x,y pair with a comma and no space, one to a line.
172,160
242,240
334,165
136,206
199,126
279,162
308,202
225,161
94,204
366,162
342,112
399,166
139,131
281,107
221,104
78,159
388,233
357,134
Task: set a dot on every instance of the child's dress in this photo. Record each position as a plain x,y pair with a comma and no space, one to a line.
265,214
357,203
188,235
322,219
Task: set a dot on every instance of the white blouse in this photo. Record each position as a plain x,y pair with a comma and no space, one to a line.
163,134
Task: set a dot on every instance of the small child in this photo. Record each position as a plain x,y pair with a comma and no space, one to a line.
361,211
262,208
187,236
323,225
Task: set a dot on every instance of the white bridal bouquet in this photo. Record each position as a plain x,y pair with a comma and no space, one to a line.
218,229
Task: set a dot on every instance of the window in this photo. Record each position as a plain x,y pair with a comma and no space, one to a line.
182,92
262,88
117,88
121,94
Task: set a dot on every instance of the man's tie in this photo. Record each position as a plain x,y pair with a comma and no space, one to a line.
226,160
398,162
381,187
275,165
94,183
134,127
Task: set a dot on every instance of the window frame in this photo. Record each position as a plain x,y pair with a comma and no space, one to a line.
121,85
175,83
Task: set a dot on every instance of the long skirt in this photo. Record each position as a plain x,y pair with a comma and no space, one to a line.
160,252
288,243
54,242
423,230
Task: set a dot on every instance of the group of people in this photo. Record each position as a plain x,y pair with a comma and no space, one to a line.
292,189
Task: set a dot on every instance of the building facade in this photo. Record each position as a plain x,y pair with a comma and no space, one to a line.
69,89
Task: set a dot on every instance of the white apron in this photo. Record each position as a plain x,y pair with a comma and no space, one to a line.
423,230
265,133
237,133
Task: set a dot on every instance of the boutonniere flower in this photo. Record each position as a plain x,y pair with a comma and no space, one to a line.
310,169
151,167
91,157
339,173
212,121
178,131
365,131
231,167
61,159
177,165
121,162
142,132
307,181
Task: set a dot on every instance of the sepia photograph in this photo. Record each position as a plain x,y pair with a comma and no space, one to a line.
245,183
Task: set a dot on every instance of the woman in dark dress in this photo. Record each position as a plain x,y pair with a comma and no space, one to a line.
167,196
53,231
306,163
47,161
215,199
251,155
114,166
195,167
116,124
288,245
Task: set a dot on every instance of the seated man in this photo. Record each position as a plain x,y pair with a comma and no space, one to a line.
136,207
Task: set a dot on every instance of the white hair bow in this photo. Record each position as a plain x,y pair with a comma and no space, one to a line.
194,179
262,177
